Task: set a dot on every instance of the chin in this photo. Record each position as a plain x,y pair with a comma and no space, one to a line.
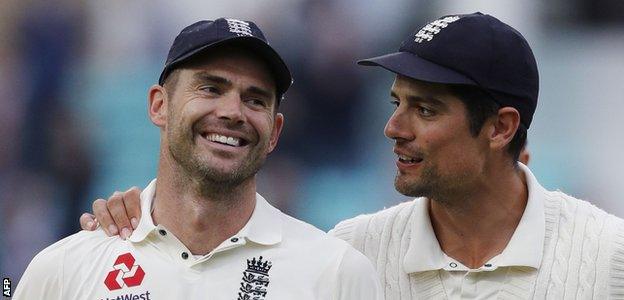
409,188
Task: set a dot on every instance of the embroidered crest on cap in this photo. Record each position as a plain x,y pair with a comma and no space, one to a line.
430,30
240,28
255,280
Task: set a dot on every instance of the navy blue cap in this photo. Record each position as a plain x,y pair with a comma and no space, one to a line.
472,49
204,35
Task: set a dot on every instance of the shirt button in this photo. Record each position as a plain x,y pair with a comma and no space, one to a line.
234,240
162,232
184,255
453,265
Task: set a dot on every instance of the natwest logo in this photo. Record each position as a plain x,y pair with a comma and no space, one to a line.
125,273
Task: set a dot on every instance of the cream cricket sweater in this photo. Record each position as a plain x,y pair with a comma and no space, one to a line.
583,254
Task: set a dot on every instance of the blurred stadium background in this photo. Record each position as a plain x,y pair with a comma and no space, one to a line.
74,76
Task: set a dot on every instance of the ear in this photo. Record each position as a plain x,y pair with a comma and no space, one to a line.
157,105
278,124
504,127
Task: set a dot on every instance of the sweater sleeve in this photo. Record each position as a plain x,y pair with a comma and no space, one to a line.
344,230
616,276
352,231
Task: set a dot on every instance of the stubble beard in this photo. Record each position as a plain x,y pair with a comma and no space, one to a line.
198,168
432,185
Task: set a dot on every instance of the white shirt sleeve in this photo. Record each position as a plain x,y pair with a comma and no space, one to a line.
357,279
43,277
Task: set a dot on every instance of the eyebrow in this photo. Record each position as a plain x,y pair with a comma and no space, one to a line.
259,91
205,77
426,99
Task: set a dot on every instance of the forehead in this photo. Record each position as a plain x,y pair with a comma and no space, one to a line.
238,65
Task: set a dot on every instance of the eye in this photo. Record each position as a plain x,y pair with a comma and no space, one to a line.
257,102
425,112
395,103
210,89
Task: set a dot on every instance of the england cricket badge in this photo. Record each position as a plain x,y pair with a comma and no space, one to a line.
255,280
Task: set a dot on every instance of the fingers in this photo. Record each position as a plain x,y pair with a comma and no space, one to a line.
104,217
117,208
132,201
88,222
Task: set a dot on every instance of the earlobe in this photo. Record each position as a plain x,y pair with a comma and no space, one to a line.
505,125
278,124
157,106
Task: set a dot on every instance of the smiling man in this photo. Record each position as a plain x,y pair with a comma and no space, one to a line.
205,232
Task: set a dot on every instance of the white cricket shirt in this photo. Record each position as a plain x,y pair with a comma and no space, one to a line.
524,250
274,256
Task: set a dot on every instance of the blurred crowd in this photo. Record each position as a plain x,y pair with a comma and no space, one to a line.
74,76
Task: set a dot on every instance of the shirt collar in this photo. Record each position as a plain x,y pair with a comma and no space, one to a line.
146,223
264,226
527,243
524,248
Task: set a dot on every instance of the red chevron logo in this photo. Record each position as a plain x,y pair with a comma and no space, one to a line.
125,273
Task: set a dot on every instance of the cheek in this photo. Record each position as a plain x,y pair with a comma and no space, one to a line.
447,148
262,123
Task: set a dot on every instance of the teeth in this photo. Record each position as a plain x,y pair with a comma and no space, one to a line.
232,141
407,159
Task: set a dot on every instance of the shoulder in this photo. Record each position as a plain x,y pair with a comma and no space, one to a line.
81,245
298,233
581,218
356,229
350,272
47,272
571,212
356,277
596,234
76,244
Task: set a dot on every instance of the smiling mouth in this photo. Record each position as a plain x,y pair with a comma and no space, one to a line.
409,160
225,140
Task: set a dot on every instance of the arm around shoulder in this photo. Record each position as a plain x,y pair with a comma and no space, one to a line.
357,279
43,277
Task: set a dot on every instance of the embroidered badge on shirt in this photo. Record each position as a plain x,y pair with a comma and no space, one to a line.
255,280
430,30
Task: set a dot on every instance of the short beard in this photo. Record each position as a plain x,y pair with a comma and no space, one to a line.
208,180
433,186
425,188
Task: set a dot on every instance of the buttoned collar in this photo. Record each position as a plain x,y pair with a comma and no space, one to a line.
264,226
524,248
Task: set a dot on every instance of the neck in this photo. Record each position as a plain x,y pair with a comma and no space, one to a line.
200,214
477,225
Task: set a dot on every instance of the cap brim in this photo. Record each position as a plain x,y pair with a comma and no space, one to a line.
413,66
281,73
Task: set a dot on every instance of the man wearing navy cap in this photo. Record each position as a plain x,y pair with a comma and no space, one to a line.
205,233
482,226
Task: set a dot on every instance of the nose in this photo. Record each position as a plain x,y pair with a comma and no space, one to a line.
397,127
230,108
